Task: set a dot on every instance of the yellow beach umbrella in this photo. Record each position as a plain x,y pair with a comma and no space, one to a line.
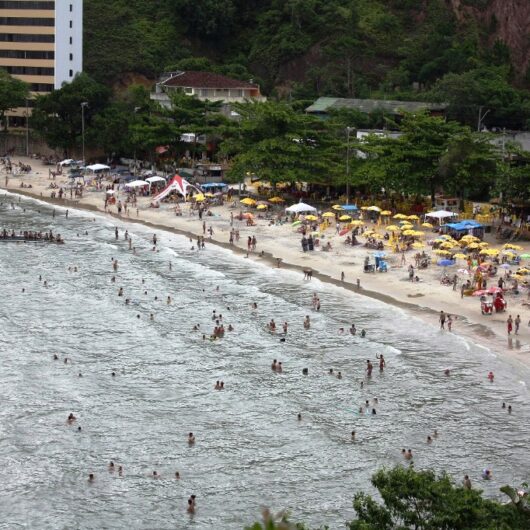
344,218
413,218
248,201
418,245
460,256
199,197
276,200
328,214
311,218
392,228
440,252
357,222
337,207
399,216
473,246
408,232
483,244
407,227
426,225
386,212
513,247
262,207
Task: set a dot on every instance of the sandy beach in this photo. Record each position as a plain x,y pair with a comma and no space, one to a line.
425,298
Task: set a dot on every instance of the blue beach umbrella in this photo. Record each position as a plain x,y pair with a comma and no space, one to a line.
446,262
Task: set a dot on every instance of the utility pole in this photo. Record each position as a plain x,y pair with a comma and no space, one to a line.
481,118
348,129
27,128
83,106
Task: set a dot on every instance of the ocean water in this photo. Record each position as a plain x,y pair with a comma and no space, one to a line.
250,451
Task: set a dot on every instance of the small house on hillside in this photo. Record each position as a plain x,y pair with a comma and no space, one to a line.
322,106
206,86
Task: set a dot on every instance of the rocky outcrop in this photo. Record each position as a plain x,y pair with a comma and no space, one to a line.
506,20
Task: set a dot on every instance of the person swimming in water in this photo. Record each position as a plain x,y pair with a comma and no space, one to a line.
382,362
71,418
285,327
272,325
307,322
191,439
369,367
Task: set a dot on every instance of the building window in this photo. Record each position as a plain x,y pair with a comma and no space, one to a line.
71,57
71,8
188,90
71,24
71,73
27,4
26,21
12,37
29,70
71,41
26,54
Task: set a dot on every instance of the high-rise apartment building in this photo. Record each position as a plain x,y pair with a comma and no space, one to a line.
41,42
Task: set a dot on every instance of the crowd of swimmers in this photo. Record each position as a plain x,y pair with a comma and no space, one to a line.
29,235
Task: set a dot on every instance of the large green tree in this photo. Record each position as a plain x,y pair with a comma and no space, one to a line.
13,94
431,155
420,500
278,144
57,117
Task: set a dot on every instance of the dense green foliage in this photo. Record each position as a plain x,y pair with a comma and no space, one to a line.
13,93
420,500
306,48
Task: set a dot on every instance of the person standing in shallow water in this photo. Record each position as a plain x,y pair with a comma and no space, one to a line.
509,325
442,320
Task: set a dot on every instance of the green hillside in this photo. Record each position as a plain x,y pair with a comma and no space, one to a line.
337,47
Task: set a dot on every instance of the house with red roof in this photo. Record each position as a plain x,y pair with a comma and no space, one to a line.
206,86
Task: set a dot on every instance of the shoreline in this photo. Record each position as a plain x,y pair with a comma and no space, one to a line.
471,330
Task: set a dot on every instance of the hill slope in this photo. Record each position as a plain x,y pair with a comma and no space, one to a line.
310,47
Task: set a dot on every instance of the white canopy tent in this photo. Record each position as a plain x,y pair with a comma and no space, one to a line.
300,207
136,184
96,168
154,179
441,214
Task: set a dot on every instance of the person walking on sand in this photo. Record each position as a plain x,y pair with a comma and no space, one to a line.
509,325
517,323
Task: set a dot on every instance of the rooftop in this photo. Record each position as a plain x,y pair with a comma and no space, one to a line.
193,79
322,105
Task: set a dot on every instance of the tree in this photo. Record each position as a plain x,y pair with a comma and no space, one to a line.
431,155
484,89
420,500
57,116
13,94
277,144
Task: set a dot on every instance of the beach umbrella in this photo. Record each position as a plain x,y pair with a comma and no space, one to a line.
276,200
525,256
344,218
512,246
296,223
374,209
357,222
460,256
441,252
386,212
392,228
446,262
311,218
418,245
408,232
337,207
199,197
364,208
473,246
407,227
399,216
248,201
504,266
413,218
523,271
328,214
426,225
262,207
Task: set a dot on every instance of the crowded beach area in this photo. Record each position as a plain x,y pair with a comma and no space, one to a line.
464,267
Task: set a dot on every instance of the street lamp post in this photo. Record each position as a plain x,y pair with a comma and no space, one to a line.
83,106
27,128
348,129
